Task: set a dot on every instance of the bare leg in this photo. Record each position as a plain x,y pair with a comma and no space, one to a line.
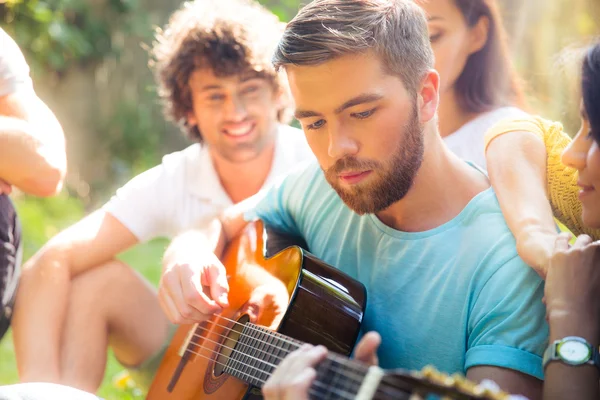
109,305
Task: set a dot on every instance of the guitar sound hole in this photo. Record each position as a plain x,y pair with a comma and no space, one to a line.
231,339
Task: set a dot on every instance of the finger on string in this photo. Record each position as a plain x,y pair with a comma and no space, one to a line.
301,382
343,394
295,344
219,287
181,311
270,347
194,296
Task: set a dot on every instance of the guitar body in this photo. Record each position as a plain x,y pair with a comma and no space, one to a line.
321,305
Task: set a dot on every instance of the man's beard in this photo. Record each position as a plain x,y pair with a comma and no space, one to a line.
391,181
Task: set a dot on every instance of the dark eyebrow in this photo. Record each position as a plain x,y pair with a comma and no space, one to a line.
360,99
210,87
250,76
299,114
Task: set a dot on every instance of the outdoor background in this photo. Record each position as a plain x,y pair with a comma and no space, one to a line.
89,63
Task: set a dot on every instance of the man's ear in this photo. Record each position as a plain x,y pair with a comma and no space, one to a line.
428,96
191,118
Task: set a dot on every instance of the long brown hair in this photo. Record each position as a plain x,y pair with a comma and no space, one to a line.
488,80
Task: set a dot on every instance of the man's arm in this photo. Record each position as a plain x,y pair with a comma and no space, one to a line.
32,144
192,261
510,381
42,297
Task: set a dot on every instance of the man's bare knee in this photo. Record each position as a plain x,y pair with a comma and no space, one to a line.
116,300
129,305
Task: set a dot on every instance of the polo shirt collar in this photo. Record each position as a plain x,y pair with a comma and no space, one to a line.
204,183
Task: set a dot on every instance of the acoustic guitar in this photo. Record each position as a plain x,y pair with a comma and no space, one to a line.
277,301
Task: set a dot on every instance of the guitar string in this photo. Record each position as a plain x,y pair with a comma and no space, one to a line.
353,367
260,370
384,387
343,394
358,374
352,382
390,390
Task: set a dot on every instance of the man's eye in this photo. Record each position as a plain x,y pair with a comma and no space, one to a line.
316,125
216,97
250,89
364,114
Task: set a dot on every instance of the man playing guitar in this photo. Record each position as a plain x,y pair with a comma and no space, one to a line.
388,204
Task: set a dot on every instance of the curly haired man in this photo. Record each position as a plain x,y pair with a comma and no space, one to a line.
214,72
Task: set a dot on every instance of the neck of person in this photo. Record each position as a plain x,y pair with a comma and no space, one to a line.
442,188
451,115
241,180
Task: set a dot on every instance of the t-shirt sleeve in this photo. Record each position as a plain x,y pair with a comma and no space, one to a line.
14,71
141,203
507,326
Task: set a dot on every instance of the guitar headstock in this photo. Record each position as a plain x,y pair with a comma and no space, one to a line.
429,381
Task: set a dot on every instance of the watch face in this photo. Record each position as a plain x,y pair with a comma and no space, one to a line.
574,352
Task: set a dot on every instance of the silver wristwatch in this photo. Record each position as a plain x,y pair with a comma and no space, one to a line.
572,350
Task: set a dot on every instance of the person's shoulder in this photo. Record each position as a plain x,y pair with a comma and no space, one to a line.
172,171
484,222
508,112
179,160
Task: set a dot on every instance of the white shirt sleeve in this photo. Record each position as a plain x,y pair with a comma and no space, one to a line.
143,203
14,71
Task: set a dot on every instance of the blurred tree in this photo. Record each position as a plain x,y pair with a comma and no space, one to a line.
58,34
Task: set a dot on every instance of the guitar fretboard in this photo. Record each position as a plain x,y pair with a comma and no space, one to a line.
259,351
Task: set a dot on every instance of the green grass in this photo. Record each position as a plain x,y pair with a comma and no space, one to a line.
41,220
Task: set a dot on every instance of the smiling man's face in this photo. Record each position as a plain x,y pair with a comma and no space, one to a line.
236,115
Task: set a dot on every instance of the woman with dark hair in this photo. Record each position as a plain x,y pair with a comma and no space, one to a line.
531,167
479,86
526,158
573,282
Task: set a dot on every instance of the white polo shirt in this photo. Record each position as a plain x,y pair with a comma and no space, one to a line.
185,192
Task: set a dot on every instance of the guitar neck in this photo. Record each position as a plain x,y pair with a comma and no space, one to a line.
258,352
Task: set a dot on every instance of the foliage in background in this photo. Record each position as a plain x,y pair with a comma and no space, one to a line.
59,34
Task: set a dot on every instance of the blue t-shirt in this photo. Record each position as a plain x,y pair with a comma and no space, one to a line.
456,296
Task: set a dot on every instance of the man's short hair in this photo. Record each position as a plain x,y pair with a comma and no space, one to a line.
230,37
395,30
